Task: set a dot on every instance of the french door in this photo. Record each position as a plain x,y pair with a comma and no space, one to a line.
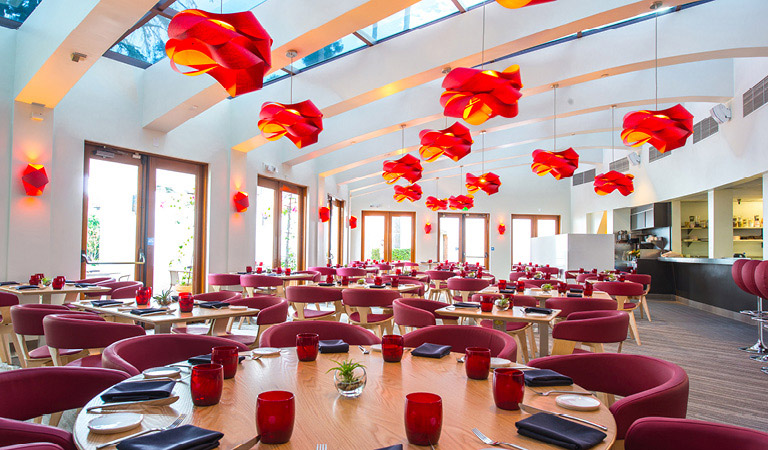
336,231
143,218
462,238
528,226
389,235
280,219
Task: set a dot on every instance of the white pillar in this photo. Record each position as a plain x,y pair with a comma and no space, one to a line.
720,212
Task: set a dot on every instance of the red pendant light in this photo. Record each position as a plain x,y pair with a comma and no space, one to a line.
352,222
666,130
488,182
559,164
478,95
300,122
436,204
34,179
411,193
232,48
605,183
324,214
513,4
461,202
408,167
241,201
454,142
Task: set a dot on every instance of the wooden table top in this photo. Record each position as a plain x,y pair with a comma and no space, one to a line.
282,276
373,420
173,316
352,285
513,314
48,290
541,295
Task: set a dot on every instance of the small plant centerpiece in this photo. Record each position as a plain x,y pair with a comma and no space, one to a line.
45,281
503,303
538,276
164,299
349,377
546,287
611,277
361,281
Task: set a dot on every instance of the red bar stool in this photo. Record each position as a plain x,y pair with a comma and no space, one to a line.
761,282
744,275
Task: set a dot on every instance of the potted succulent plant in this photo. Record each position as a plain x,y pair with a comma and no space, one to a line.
502,303
361,281
538,276
164,299
546,287
45,281
349,377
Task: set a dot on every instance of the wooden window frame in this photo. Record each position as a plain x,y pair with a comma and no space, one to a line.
462,244
278,186
534,230
341,204
388,231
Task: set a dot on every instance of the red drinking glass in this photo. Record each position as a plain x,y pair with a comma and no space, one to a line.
477,362
58,283
600,277
248,269
429,261
588,289
206,384
287,271
561,288
622,278
377,280
395,282
261,264
186,302
502,284
307,346
581,270
329,279
486,304
143,295
520,286
279,270
226,356
398,272
392,348
594,270
423,418
259,269
275,414
508,388
345,280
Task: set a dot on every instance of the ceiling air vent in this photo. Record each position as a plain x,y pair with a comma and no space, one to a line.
755,97
704,129
655,155
620,165
587,176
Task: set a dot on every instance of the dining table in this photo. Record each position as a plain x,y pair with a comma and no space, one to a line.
50,296
352,285
373,420
542,296
279,290
163,322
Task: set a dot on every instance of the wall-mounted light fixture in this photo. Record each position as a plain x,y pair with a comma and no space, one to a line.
34,178
241,201
324,213
427,228
502,229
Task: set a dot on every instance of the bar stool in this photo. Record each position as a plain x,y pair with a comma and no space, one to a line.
761,282
743,273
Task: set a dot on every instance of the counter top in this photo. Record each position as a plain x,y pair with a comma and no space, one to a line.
723,261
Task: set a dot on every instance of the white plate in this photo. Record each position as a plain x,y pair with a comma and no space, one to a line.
500,362
577,402
162,372
237,307
114,423
376,347
266,351
536,315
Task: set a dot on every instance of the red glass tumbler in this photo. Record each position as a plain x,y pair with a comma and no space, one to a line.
477,362
423,418
275,414
186,302
508,388
392,348
206,384
307,346
226,356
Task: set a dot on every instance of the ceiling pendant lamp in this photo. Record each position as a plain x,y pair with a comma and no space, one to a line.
514,4
559,164
605,183
665,129
434,203
488,182
408,167
300,122
454,142
411,193
461,202
232,48
477,95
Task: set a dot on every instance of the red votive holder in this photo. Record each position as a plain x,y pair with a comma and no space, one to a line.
622,278
423,418
58,282
259,269
329,278
143,295
279,270
392,348
275,414
520,286
248,269
345,280
226,356
206,384
186,302
395,281
486,304
588,289
377,280
561,288
508,388
477,362
502,284
307,346
287,271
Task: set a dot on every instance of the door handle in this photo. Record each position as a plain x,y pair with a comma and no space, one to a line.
142,258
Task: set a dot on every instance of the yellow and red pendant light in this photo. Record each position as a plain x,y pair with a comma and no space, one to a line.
666,130
559,164
461,202
454,142
477,95
436,204
300,122
232,48
488,182
513,4
34,179
411,193
605,183
407,167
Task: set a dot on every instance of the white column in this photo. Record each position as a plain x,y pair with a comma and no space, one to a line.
676,223
765,209
720,212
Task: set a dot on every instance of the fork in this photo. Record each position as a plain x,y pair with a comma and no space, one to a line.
363,349
489,441
321,447
563,392
175,424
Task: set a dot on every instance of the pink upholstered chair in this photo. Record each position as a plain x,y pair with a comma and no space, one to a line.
645,280
662,433
219,281
89,332
118,290
28,323
623,293
261,284
583,277
206,329
463,288
649,386
272,310
31,393
417,291
438,284
590,328
302,276
554,271
514,275
301,296
521,331
220,296
358,304
33,446
568,305
459,337
353,273
537,283
324,271
418,313
136,354
284,334
6,325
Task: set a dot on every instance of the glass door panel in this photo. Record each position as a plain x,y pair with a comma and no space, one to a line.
546,227
374,230
449,236
475,240
265,225
522,231
336,231
401,237
289,231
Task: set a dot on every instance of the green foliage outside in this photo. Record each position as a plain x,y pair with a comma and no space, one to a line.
94,237
375,254
401,254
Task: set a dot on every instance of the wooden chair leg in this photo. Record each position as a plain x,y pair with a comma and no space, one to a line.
55,419
633,328
21,350
532,341
522,346
5,351
55,357
644,306
562,347
621,344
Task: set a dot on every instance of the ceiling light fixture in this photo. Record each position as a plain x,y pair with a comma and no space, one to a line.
434,203
454,142
559,164
605,183
488,182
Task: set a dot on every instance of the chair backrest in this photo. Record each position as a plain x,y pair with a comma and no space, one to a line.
517,300
738,265
85,331
549,270
537,283
284,334
459,337
514,275
325,271
440,275
761,278
312,294
134,355
28,319
415,312
619,288
582,277
122,289
97,280
223,279
650,386
221,296
260,281
748,276
369,297
272,309
467,284
350,272
641,278
8,299
662,433
569,305
593,326
308,275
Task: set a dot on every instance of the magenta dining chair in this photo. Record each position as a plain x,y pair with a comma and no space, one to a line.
307,275
537,283
645,280
590,328
438,283
284,334
358,304
352,272
28,323
459,337
6,325
521,331
89,332
272,310
419,290
550,270
663,433
220,296
264,284
568,305
583,277
463,288
33,446
136,354
222,281
649,386
623,293
302,296
31,393
324,271
118,290
515,275
418,313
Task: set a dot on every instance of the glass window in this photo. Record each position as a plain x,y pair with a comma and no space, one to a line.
265,225
402,238
463,238
475,239
147,43
448,241
389,236
470,3
340,47
289,232
521,240
17,10
280,224
421,13
174,228
373,247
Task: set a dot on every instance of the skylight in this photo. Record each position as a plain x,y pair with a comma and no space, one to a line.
422,13
14,12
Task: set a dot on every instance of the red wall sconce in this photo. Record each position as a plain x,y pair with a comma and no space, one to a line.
352,222
34,178
427,228
502,229
324,213
241,201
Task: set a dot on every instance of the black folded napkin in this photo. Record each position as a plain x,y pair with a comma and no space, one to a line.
373,286
82,285
206,359
334,346
326,284
8,283
213,305
431,350
507,291
103,303
534,309
392,447
466,305
561,432
574,294
185,437
144,312
134,391
27,286
545,377
577,291
243,273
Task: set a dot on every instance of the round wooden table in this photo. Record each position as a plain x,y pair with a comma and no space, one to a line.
371,421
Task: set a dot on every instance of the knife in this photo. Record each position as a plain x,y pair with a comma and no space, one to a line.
155,402
248,444
534,410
